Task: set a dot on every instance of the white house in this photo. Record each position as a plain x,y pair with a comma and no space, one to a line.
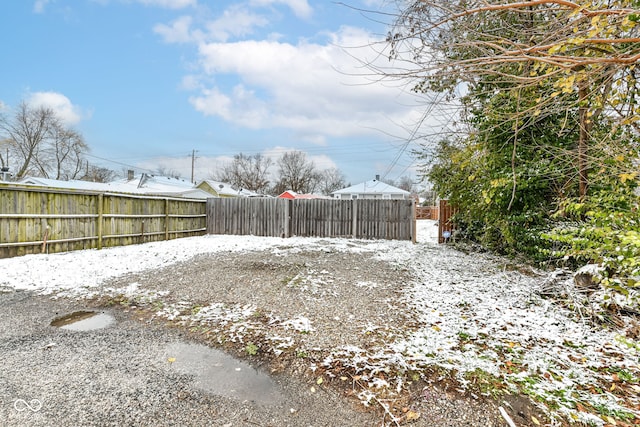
373,189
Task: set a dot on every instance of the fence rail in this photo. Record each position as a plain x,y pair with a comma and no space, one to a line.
368,219
35,220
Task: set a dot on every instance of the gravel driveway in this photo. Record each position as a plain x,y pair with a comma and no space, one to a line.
121,375
281,311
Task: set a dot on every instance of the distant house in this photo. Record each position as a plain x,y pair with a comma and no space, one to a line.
373,189
289,194
222,189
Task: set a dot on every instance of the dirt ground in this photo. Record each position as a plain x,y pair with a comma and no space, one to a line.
341,294
283,311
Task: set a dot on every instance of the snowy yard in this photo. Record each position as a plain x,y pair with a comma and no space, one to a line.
478,316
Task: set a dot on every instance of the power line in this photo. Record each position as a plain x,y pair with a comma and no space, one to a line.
343,149
119,163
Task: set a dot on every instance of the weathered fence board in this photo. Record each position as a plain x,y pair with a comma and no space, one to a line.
367,219
35,220
248,216
445,224
427,212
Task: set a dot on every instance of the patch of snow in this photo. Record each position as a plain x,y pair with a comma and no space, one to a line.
299,324
472,313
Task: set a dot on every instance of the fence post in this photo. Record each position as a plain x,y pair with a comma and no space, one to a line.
100,216
166,219
354,225
414,225
288,217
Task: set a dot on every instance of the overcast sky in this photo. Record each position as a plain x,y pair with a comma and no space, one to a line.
149,81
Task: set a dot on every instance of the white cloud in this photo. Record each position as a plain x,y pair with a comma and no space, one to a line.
321,161
169,4
213,103
300,8
39,6
166,4
190,82
236,21
320,140
179,31
59,103
315,89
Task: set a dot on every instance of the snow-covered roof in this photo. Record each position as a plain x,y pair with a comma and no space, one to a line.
311,196
159,185
289,194
226,190
372,187
72,184
150,181
141,184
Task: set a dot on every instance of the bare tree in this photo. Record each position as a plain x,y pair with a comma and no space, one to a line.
331,179
579,57
62,153
407,184
95,173
26,132
4,153
246,172
296,173
41,144
165,171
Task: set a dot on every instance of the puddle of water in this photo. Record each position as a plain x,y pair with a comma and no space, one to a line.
83,321
218,373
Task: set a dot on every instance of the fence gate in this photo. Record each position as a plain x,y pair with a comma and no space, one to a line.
445,225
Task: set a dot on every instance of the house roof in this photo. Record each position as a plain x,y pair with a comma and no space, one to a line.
70,185
311,196
372,187
159,185
289,194
225,189
141,184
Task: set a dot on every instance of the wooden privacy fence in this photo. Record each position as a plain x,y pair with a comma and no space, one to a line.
446,227
366,219
427,212
35,220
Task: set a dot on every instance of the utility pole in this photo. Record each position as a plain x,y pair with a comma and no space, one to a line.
193,164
